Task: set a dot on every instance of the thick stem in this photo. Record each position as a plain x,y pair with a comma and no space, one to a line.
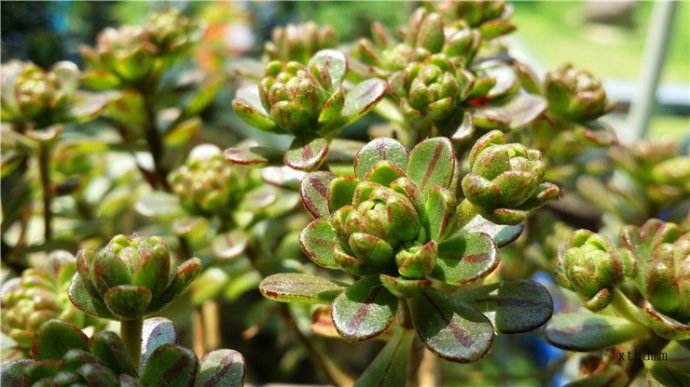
130,332
413,377
625,307
155,144
334,374
44,171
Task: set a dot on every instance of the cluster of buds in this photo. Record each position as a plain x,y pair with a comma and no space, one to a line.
575,95
33,98
131,54
392,219
506,181
207,184
425,34
129,278
307,101
431,91
299,42
657,166
659,255
36,297
591,266
491,18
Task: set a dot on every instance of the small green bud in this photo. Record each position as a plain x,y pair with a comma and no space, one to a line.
133,276
590,266
575,94
299,42
506,181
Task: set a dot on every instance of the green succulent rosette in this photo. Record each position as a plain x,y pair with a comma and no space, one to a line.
37,296
33,98
431,92
490,18
393,226
506,181
591,266
309,102
130,278
208,185
575,95
132,55
299,42
659,255
657,166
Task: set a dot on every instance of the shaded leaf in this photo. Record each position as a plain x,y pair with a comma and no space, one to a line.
128,301
586,331
171,366
306,157
12,373
230,244
247,105
378,150
432,162
612,376
364,310
253,155
465,258
155,333
453,330
519,306
157,204
389,368
314,193
183,132
55,337
223,367
284,177
111,352
297,287
665,326
82,299
363,98
318,241
501,233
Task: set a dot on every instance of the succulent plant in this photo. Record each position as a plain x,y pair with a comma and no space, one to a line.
309,102
575,95
394,225
36,297
208,185
33,98
506,181
299,42
130,55
431,92
659,253
131,277
491,18
590,265
64,356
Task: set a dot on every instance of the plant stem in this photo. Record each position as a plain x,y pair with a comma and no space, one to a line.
198,332
211,320
625,307
155,144
414,377
130,332
334,374
44,171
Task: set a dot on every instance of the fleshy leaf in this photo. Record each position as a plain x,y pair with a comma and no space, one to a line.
432,162
452,330
55,338
465,258
284,177
306,157
297,287
223,367
329,66
81,298
363,98
318,241
157,204
314,192
440,209
170,365
376,151
364,310
110,350
586,331
389,368
156,332
612,376
501,233
247,105
128,301
666,327
184,275
520,306
341,191
12,373
518,113
253,155
230,244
